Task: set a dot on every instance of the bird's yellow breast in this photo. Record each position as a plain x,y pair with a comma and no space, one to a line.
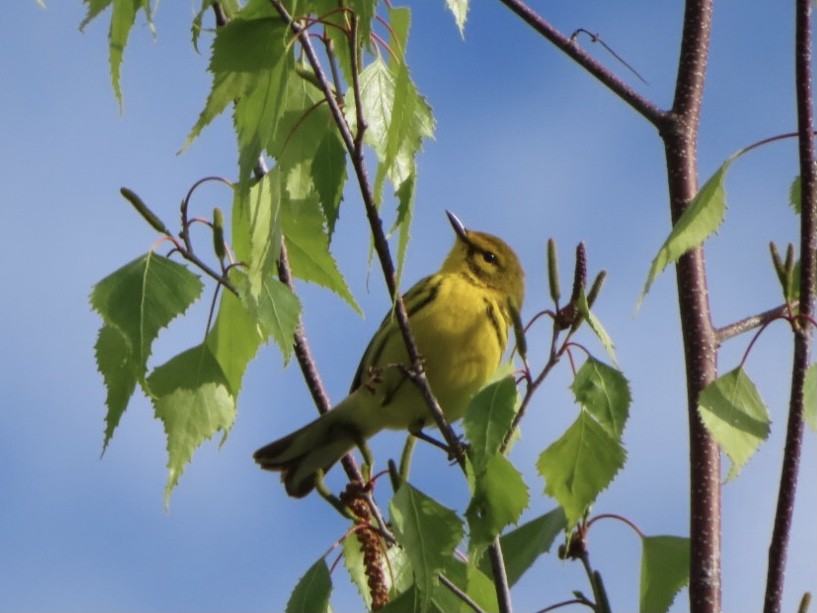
461,331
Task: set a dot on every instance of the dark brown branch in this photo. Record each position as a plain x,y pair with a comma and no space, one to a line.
642,105
700,350
781,533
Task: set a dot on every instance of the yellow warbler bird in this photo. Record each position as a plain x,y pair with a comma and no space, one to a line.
459,317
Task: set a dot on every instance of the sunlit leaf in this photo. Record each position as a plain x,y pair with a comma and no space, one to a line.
276,309
701,218
192,398
605,393
735,416
500,496
115,361
664,571
580,465
459,8
311,594
488,418
308,249
596,327
428,531
123,16
234,339
143,297
135,303
522,546
251,66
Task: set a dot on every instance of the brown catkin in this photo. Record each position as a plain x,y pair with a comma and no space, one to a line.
370,544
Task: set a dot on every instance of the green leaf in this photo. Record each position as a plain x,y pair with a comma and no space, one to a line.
579,465
664,571
308,249
276,309
311,595
488,419
405,212
459,8
471,580
123,16
230,8
115,362
191,395
428,531
795,194
596,327
234,339
143,297
810,398
605,393
329,176
251,66
701,218
522,546
735,416
500,496
262,221
411,601
398,118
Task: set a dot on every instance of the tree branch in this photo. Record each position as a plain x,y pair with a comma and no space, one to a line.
680,137
802,329
639,103
749,323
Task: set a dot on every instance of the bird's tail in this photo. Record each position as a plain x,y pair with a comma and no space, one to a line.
316,446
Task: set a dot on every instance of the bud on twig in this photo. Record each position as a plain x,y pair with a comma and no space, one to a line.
580,275
519,333
553,272
148,215
218,234
596,287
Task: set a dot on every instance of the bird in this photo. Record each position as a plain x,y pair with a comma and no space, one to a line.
459,317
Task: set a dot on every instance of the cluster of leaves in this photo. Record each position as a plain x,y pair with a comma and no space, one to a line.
279,110
427,535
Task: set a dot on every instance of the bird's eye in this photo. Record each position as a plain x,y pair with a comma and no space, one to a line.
489,257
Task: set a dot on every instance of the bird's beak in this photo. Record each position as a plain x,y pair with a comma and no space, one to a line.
457,225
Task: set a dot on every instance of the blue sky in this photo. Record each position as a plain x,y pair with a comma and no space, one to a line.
527,146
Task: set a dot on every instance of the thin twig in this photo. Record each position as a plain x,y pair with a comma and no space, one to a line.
459,593
503,590
749,323
596,38
642,105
